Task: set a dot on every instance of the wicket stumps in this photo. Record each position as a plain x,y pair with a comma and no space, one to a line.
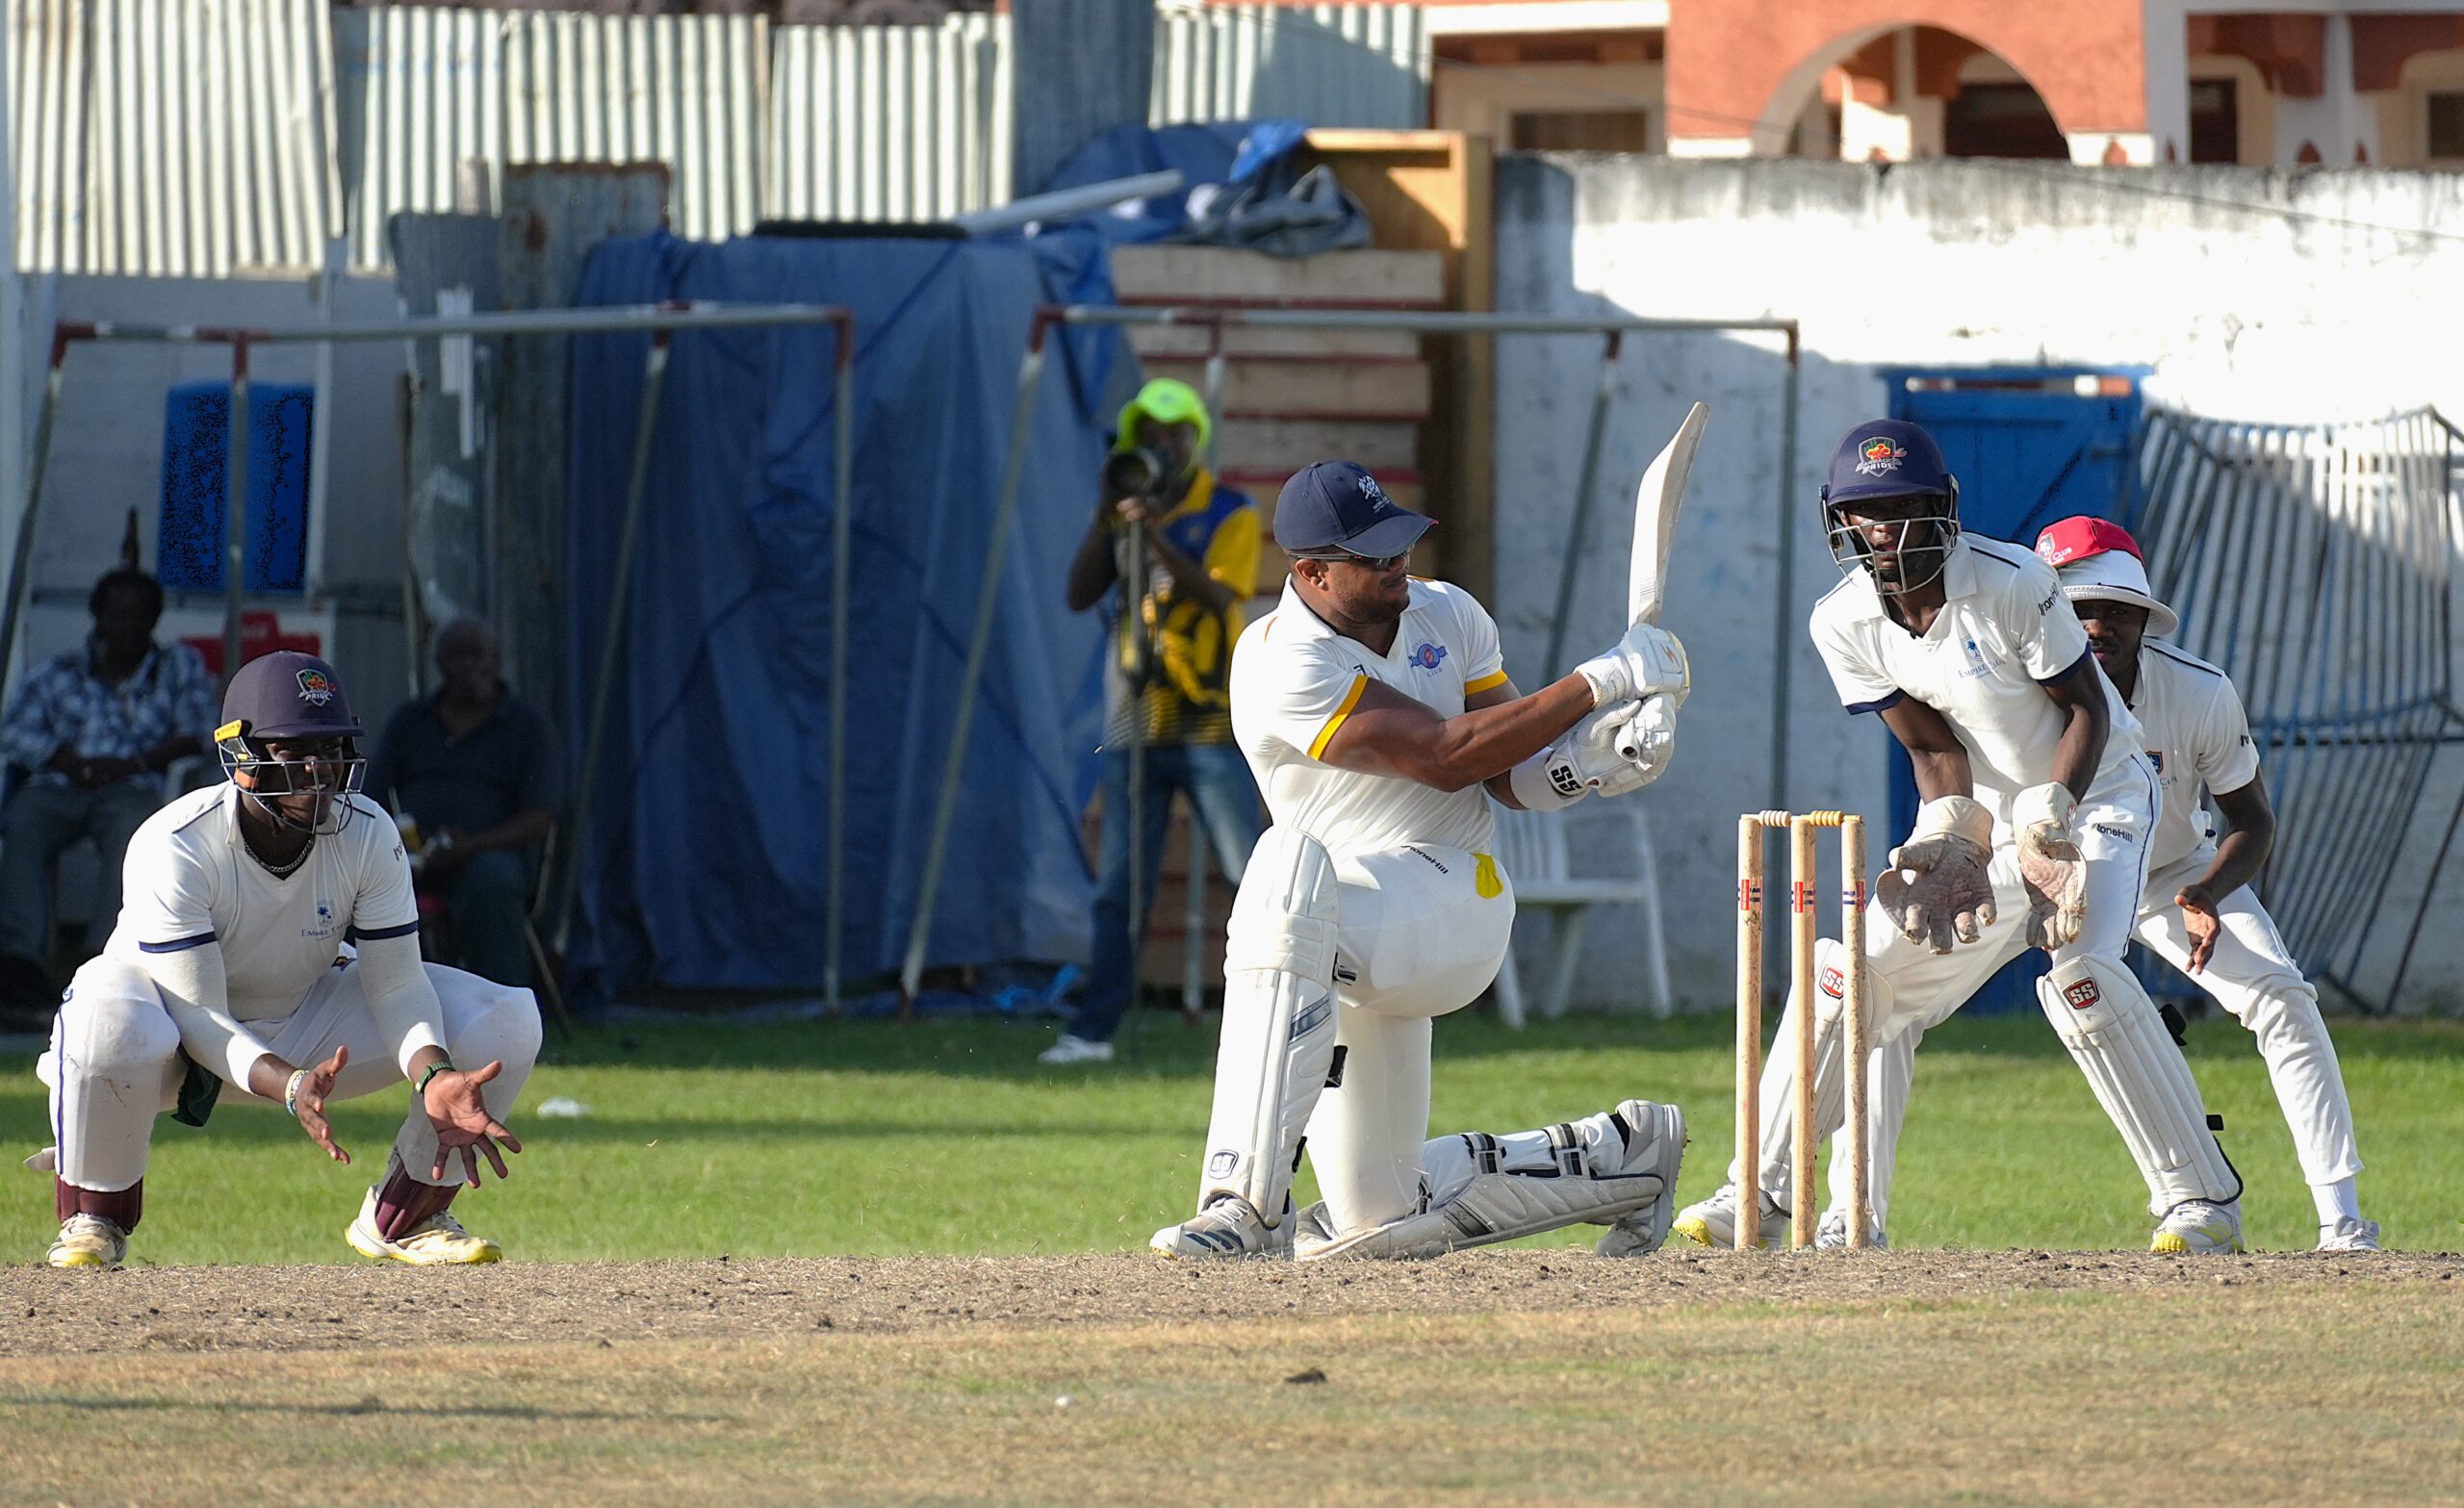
1857,1045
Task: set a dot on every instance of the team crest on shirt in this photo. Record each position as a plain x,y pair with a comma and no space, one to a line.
2156,758
1428,656
316,688
325,927
1880,457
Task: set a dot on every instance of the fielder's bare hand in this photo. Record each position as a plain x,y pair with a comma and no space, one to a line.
314,1086
463,1123
2200,921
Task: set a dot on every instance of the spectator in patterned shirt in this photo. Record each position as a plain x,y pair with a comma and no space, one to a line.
88,735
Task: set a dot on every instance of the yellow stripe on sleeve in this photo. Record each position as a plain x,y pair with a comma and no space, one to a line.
1351,699
1473,688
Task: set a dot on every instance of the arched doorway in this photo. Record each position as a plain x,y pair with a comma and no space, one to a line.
1896,94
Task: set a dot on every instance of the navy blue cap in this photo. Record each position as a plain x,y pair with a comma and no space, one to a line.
289,694
1336,505
1886,458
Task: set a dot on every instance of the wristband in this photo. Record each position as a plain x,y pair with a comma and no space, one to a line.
291,1092
1537,783
433,1069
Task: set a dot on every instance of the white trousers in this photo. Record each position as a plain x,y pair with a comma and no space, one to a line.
1915,988
2254,977
114,1061
1423,931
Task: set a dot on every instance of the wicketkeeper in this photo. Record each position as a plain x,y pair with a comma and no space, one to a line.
2038,808
226,979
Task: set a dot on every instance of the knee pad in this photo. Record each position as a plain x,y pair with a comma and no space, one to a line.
1278,1040
2105,1018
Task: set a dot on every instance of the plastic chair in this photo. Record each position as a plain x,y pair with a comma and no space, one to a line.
1533,847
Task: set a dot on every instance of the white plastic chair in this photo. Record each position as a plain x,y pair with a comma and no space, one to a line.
1532,848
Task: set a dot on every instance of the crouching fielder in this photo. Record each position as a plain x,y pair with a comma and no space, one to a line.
2199,914
1374,711
224,979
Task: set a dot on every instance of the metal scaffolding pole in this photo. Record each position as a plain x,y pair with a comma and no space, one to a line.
1416,321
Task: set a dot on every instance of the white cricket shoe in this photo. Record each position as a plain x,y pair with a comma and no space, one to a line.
1076,1050
1713,1222
89,1240
1831,1235
2349,1235
439,1241
2200,1228
1227,1227
1659,1136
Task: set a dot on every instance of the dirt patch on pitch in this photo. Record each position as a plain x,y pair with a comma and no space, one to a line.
317,1308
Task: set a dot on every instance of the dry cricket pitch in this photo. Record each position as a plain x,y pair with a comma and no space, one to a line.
1500,1376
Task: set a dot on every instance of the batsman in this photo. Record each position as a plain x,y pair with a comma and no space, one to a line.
2038,811
1375,711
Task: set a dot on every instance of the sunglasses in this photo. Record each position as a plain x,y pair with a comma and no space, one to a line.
1370,562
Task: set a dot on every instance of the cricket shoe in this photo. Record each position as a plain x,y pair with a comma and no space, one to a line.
1713,1222
1831,1235
2349,1235
1076,1050
89,1240
1658,1132
1227,1227
2200,1228
439,1241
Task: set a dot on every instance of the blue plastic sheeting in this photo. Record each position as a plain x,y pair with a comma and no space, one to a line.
705,860
1219,153
196,486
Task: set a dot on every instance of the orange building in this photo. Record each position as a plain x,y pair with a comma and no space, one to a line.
2091,81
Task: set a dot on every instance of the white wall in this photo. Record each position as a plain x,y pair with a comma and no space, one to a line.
2246,315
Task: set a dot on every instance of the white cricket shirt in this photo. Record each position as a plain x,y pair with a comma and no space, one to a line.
2197,737
1294,680
190,881
2004,633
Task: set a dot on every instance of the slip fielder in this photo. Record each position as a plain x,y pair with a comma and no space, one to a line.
1375,713
2199,914
225,979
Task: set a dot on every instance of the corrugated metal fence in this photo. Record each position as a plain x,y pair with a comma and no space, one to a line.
195,137
1328,64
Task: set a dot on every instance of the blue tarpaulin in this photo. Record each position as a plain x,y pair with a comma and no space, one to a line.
704,853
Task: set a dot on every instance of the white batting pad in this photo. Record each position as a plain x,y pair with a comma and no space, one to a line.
1279,1037
2141,1078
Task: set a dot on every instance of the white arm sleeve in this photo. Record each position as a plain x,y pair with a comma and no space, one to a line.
200,1000
404,1004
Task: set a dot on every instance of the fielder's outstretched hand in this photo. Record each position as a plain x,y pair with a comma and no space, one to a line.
463,1123
2200,921
313,1090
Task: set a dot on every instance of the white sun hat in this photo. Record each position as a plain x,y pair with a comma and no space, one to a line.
2098,561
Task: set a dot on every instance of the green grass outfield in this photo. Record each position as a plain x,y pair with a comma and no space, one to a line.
947,1137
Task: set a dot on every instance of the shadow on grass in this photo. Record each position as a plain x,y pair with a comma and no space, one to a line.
365,1407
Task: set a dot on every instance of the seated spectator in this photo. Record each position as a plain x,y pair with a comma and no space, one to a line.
87,735
479,772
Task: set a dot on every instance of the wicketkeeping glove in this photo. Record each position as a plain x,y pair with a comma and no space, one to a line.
2051,867
1937,889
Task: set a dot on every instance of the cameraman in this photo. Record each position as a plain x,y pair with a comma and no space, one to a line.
1166,670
